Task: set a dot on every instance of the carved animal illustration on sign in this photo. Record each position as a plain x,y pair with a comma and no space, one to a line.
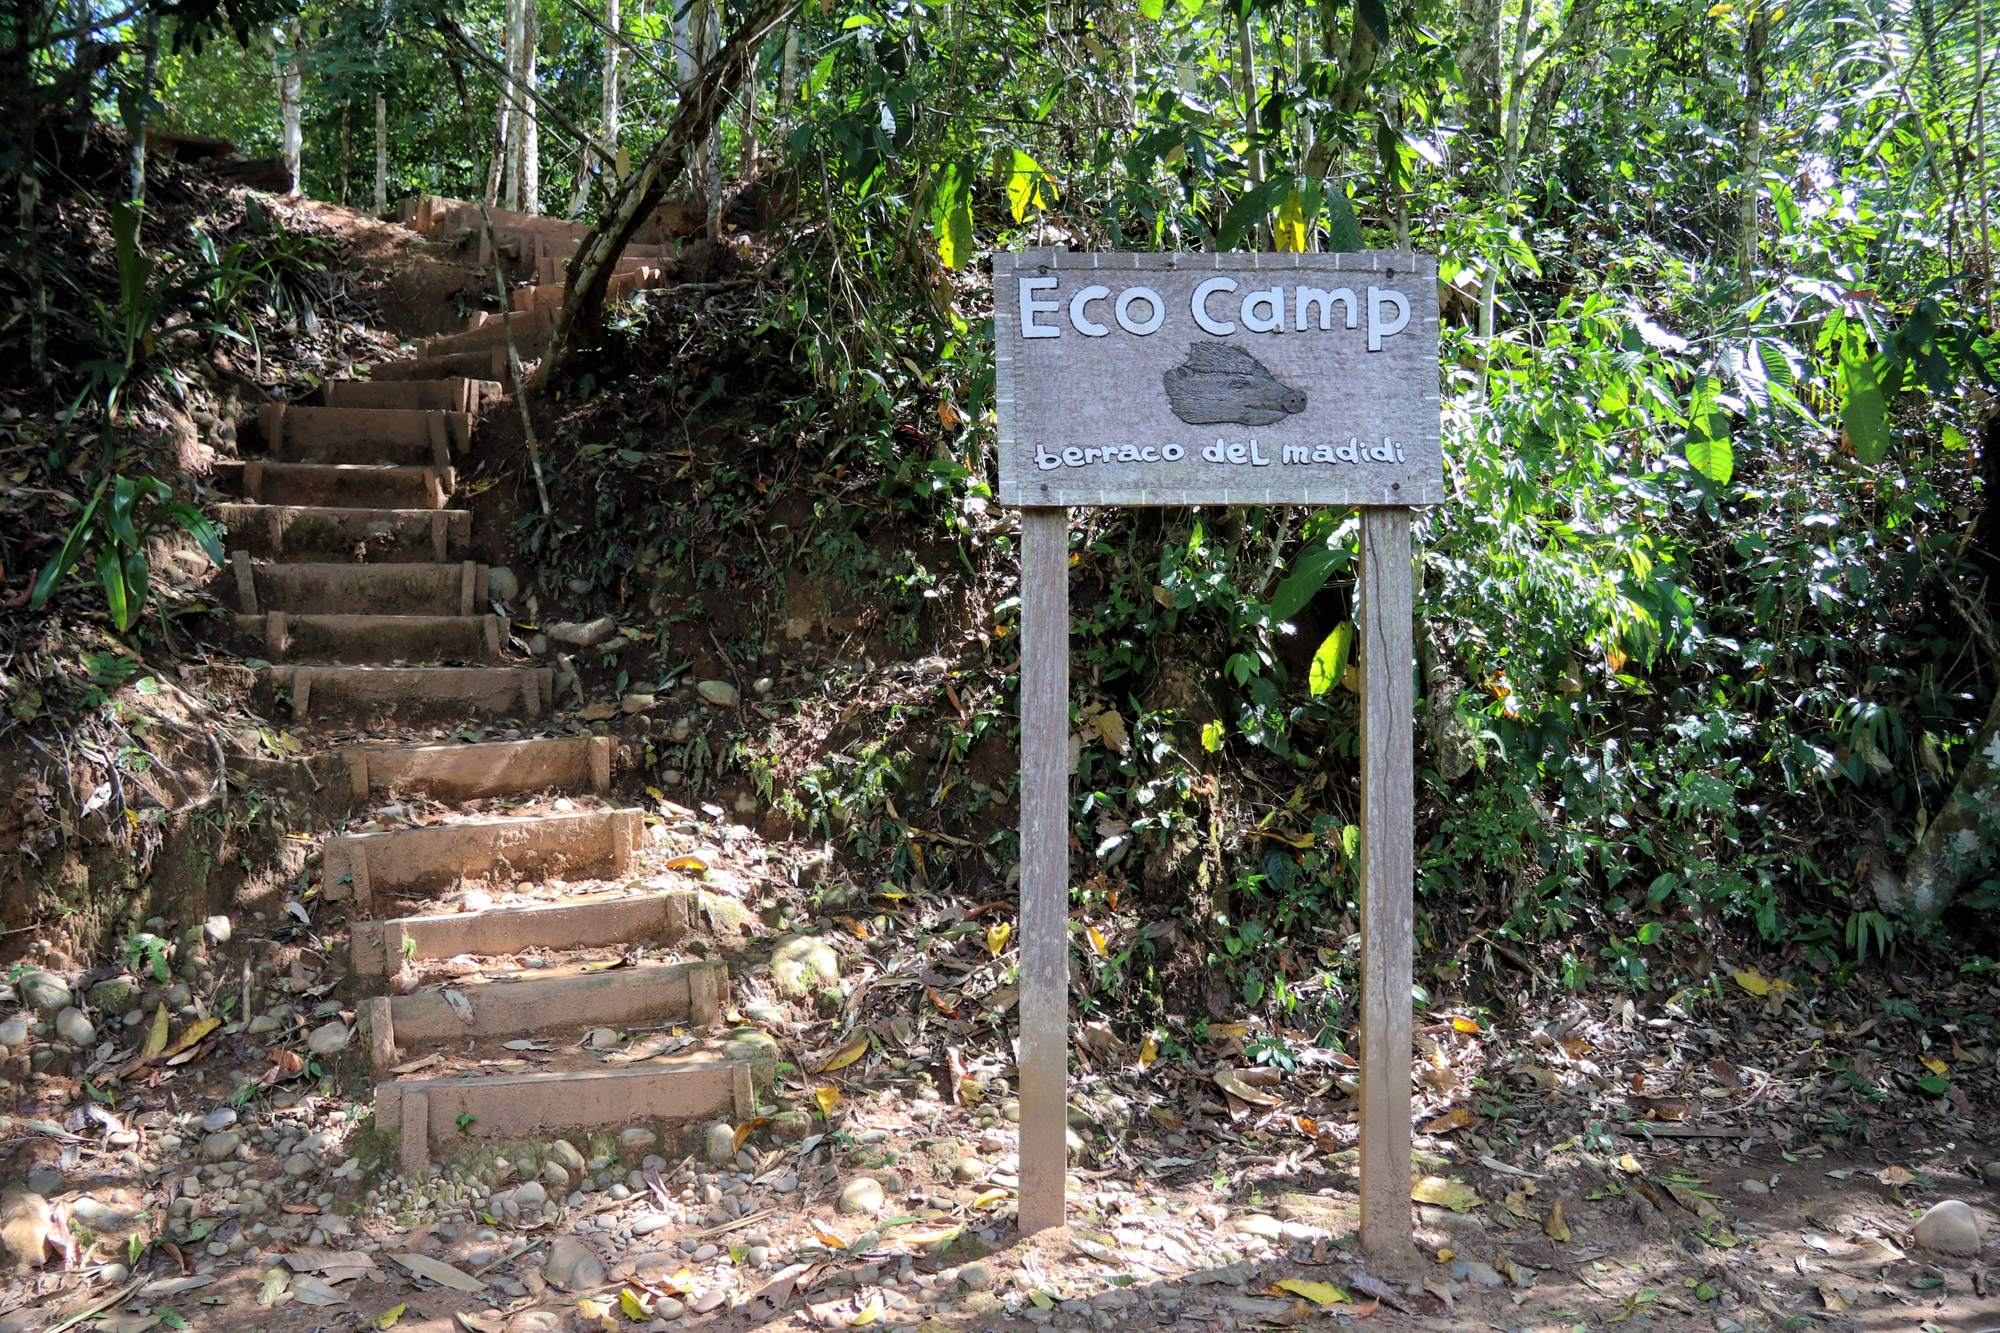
1219,384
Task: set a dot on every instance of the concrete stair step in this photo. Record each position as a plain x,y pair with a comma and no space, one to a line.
426,589
490,768
280,637
378,696
620,288
649,994
378,947
403,436
365,867
309,533
552,269
344,485
437,1116
491,333
490,364
456,394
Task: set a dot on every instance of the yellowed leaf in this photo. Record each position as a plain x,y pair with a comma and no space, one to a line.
1465,1024
746,1129
996,937
1453,1194
988,1198
156,1036
1516,1203
1895,1176
1224,1031
634,1308
827,1238
827,1098
1232,1083
656,793
1553,1226
1319,1293
387,1319
1096,938
1691,1201
1932,1063
699,862
1458,1117
846,1055
1629,1164
194,1034
867,1316
1758,984
1149,1050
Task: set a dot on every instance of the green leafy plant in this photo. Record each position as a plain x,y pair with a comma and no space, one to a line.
122,333
110,538
146,952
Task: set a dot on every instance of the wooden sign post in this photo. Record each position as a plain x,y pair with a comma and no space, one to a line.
1220,379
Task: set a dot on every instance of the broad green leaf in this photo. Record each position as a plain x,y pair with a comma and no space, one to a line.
1028,186
1310,571
1343,231
197,525
66,558
138,581
111,578
1152,9
1708,448
1330,662
1772,355
1211,737
1251,208
951,215
1864,410
123,496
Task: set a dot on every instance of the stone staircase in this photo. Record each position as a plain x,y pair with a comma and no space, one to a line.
519,981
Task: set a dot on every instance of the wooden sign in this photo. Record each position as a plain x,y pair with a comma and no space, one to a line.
1234,379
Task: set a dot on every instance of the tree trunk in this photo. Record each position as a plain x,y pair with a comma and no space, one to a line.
1510,150
516,104
381,153
503,124
346,148
290,93
746,157
1953,847
1479,74
142,119
712,157
531,121
1754,41
607,124
788,72
700,109
1246,56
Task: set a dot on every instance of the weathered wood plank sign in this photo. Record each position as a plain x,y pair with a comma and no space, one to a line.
1234,379
1220,379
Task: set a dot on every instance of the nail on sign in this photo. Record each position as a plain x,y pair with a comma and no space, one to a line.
1168,379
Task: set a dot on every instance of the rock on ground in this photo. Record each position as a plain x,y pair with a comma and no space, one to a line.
1950,1227
801,964
720,1144
863,1194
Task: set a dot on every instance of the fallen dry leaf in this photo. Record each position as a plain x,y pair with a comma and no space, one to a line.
1232,1083
846,1055
1458,1117
1453,1194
